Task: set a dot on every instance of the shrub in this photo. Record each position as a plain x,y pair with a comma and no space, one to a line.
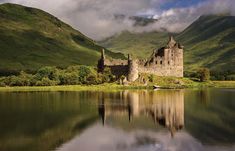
108,76
2,82
26,79
51,73
151,78
15,81
84,72
80,75
69,78
204,74
46,82
50,76
92,79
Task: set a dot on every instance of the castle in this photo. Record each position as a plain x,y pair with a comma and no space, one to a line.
163,108
166,61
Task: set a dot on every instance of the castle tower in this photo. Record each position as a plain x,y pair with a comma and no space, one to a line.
133,72
102,54
180,58
101,64
171,42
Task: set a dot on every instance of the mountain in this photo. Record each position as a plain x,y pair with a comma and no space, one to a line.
208,42
140,45
31,38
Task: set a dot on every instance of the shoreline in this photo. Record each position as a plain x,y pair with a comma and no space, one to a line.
114,87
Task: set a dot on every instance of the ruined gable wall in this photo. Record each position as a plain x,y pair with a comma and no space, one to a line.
115,62
118,67
170,64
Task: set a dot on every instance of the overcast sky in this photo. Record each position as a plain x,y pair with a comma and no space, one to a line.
95,18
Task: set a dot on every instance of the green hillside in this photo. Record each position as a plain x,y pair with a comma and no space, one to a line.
209,42
31,38
140,45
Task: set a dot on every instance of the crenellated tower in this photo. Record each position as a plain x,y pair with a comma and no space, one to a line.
133,72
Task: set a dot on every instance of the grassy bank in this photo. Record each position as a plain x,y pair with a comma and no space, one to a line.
165,83
102,87
224,84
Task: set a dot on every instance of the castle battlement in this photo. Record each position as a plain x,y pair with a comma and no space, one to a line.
166,61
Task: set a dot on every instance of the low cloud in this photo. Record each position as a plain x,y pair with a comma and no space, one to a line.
177,19
96,18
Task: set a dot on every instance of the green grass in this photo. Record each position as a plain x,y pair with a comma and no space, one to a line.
208,42
102,87
31,38
224,84
165,82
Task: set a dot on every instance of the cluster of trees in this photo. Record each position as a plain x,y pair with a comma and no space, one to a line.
202,74
223,75
51,76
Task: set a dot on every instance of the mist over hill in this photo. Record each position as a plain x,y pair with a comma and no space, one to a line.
208,42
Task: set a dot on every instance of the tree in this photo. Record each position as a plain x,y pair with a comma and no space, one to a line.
108,76
204,74
47,76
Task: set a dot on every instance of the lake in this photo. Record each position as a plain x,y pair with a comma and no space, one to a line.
131,120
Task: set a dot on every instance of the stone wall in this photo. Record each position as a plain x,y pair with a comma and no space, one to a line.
119,70
166,61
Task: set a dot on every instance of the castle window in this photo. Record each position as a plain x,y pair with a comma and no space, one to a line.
160,62
156,62
168,62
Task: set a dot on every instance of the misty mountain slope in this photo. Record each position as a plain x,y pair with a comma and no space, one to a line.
140,45
31,38
210,42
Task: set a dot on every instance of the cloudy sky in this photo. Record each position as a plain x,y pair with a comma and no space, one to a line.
96,18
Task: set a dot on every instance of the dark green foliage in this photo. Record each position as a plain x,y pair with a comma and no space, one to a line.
45,81
47,76
79,75
151,78
23,79
223,75
51,76
107,75
203,74
51,73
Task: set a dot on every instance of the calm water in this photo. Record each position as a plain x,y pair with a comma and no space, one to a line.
163,120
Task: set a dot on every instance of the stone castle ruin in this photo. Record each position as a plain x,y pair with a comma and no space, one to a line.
163,108
166,61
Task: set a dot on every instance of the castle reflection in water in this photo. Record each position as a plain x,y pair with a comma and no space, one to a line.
165,108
